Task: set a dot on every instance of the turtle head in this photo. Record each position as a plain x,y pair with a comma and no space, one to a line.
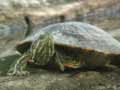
43,50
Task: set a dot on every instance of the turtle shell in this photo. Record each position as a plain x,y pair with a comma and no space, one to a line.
75,34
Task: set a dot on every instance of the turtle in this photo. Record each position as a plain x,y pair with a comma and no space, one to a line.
70,44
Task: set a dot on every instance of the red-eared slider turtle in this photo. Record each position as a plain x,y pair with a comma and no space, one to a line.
70,44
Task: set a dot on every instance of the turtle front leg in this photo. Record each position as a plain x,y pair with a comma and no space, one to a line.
18,67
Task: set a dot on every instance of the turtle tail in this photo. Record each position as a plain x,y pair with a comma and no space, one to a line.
43,50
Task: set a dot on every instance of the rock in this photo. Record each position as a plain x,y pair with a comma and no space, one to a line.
13,29
46,80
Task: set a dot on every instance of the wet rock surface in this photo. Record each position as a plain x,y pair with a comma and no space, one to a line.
80,80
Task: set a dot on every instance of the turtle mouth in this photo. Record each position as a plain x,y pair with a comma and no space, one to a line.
23,46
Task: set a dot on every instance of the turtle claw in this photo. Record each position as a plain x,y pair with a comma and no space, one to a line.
19,73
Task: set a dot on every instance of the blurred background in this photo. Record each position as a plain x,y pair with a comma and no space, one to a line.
102,13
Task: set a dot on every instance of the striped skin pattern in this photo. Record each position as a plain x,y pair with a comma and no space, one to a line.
43,50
